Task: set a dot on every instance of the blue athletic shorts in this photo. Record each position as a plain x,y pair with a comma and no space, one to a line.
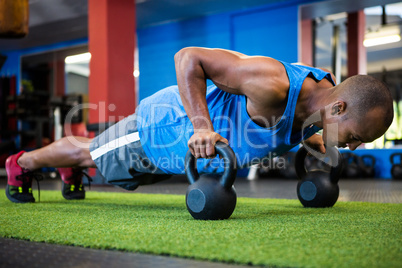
120,158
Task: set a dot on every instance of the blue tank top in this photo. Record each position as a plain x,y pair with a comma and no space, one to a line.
165,129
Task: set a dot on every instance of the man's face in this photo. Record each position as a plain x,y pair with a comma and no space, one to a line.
352,132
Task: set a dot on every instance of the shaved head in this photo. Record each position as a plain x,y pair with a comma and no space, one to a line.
363,93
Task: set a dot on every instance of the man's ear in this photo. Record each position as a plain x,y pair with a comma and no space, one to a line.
338,108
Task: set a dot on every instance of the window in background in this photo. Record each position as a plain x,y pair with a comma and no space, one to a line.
77,73
384,61
330,44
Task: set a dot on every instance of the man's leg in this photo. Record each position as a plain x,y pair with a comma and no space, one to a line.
69,155
61,153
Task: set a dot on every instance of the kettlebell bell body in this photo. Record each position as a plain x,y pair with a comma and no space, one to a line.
317,191
368,165
352,168
206,199
318,188
396,170
212,197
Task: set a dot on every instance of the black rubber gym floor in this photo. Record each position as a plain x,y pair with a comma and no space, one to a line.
16,253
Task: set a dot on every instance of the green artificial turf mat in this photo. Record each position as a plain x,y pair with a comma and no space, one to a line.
271,232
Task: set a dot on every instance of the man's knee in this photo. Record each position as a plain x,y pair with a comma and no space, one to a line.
79,150
86,159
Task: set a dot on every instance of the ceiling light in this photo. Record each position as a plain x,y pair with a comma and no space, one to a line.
136,73
80,58
384,35
381,40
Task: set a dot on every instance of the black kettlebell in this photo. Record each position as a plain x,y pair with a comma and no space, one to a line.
367,165
212,197
318,188
352,168
396,170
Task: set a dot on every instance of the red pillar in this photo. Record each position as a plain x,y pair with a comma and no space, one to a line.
357,57
112,29
59,87
306,48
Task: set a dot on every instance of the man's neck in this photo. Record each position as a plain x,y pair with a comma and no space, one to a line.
312,99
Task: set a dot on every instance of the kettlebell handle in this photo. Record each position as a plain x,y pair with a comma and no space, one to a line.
393,156
332,152
229,174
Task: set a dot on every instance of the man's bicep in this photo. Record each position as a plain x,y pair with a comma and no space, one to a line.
223,68
240,74
261,79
